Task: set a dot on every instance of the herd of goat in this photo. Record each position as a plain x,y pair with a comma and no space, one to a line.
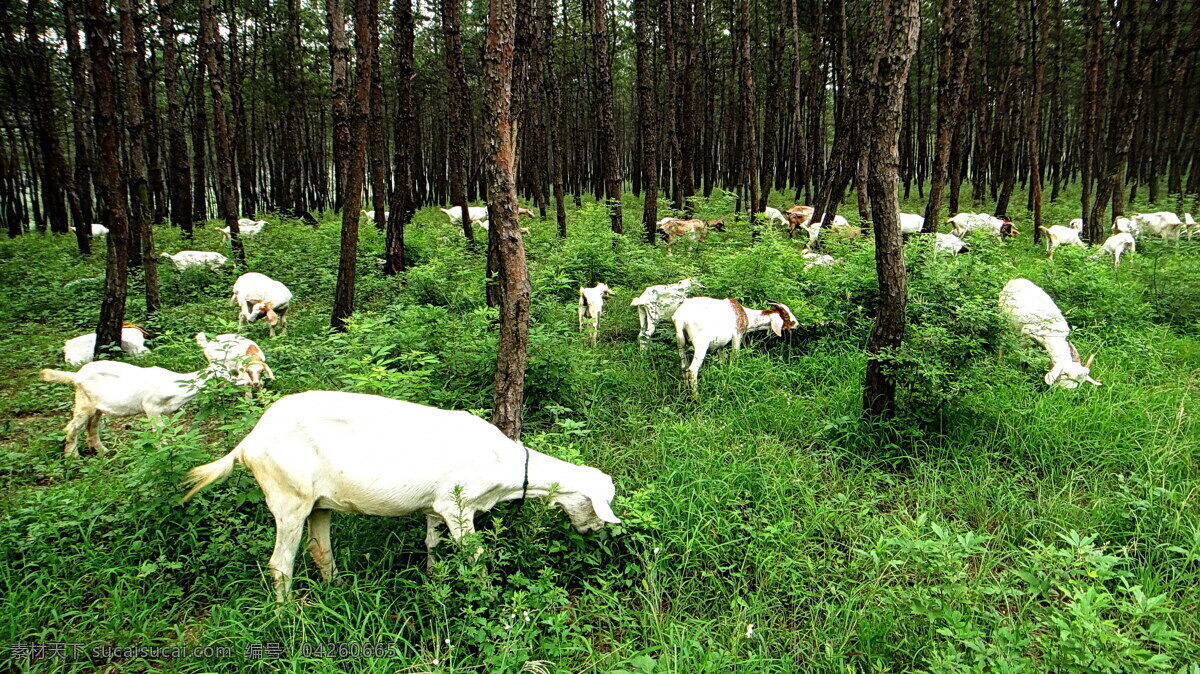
320,451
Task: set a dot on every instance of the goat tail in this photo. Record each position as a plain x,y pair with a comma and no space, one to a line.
57,376
201,476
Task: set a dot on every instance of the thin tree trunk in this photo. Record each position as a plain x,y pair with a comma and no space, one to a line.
377,146
607,127
1093,230
139,187
81,111
57,181
557,147
647,130
339,64
1040,34
509,392
178,168
356,163
199,148
112,306
954,56
896,46
407,130
226,195
458,113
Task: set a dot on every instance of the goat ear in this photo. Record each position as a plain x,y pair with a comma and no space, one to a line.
777,324
267,371
604,511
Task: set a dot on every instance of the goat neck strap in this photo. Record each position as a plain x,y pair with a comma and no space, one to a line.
524,481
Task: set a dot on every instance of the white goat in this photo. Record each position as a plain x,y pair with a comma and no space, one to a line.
659,302
1189,224
911,223
79,350
1035,314
257,295
97,229
1164,224
709,323
817,259
320,451
1127,225
966,222
240,359
476,213
1058,235
122,390
246,227
949,243
195,259
1076,224
370,215
591,303
1117,245
774,215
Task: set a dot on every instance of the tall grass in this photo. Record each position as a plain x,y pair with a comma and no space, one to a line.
997,526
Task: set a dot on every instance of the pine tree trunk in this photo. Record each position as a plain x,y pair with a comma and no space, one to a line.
179,171
1035,110
81,112
56,177
954,56
226,196
199,147
356,163
1093,229
896,46
500,135
607,127
376,132
406,138
458,113
746,92
339,86
557,147
116,273
138,184
647,126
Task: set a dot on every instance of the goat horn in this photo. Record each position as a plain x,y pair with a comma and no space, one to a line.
1094,382
1088,364
1074,352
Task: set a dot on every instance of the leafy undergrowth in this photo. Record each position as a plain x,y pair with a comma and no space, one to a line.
997,526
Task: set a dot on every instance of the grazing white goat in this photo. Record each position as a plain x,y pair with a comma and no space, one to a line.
591,303
966,222
1058,235
79,350
257,295
97,229
1035,314
1117,245
320,451
949,243
911,223
240,359
775,215
817,259
1127,225
1164,224
245,228
370,215
709,323
195,259
477,214
122,390
659,302
840,225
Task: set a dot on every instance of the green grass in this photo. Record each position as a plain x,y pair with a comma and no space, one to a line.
998,525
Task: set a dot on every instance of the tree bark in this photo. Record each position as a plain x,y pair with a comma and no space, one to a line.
179,170
377,147
1092,59
557,147
199,149
211,42
112,306
138,182
407,131
509,392
339,64
1040,35
356,163
56,178
896,46
647,126
607,127
458,111
954,56
748,113
81,111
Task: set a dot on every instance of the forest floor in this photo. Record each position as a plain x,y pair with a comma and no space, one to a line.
998,525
